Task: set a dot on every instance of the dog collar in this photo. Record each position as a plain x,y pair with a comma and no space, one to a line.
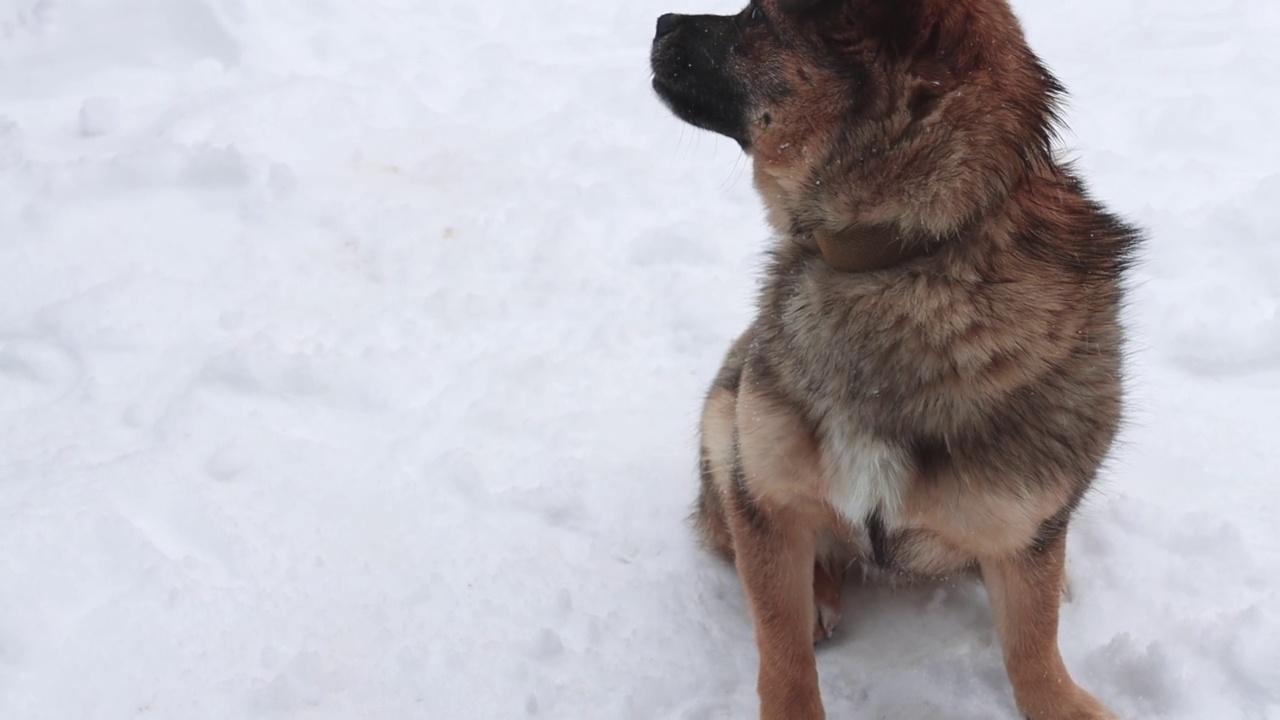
866,248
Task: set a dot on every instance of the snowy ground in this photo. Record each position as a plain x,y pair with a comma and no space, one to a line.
350,354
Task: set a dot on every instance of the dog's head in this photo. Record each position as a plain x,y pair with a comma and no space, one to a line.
923,113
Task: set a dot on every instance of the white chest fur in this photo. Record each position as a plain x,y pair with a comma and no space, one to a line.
863,474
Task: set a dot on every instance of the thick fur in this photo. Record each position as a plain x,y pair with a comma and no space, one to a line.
949,412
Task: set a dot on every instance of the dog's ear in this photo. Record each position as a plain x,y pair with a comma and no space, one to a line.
796,6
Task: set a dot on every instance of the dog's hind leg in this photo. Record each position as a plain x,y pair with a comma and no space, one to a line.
828,586
718,452
834,560
709,512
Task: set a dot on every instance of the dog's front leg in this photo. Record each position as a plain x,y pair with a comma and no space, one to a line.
1025,591
775,561
772,522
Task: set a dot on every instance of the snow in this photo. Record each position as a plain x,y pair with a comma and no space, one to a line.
351,353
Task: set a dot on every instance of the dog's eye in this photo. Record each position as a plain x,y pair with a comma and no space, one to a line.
756,14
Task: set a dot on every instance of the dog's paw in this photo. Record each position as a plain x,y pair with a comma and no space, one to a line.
1072,704
826,618
827,589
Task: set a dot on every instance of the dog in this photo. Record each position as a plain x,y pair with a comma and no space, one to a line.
933,377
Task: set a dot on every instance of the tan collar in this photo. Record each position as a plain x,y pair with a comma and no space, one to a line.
864,248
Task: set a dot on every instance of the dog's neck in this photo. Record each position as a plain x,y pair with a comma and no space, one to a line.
865,248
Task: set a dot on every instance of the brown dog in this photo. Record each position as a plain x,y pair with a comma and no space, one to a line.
933,377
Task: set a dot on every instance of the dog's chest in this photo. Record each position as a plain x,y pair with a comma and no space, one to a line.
864,475
829,361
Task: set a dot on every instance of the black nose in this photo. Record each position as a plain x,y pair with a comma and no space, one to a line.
667,23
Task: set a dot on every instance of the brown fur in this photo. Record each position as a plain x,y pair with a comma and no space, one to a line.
948,412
